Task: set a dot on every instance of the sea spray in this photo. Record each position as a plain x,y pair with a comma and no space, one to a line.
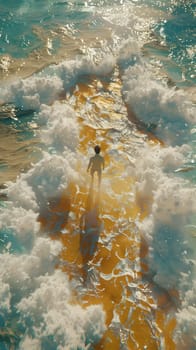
164,189
167,110
35,295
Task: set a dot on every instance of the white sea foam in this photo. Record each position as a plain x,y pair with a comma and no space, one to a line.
42,295
171,210
22,222
29,281
5,297
52,174
44,87
186,316
70,71
21,194
52,314
31,92
36,294
171,203
46,179
62,129
155,103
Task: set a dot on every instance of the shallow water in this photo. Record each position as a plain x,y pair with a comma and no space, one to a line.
81,267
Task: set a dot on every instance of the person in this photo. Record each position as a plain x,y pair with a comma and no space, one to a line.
96,164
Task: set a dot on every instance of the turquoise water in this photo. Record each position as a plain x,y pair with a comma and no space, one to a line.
179,35
19,20
46,49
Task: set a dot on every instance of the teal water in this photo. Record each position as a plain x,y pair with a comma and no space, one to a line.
46,49
20,19
178,32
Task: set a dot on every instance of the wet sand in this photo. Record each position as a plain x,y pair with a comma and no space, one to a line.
103,249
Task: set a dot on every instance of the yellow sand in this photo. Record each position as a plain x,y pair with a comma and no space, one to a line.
147,319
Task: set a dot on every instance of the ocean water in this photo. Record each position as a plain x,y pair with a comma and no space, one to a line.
83,267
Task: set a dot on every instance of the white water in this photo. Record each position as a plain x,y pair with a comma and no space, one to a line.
34,295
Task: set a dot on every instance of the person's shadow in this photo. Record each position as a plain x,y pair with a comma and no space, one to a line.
54,214
90,227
